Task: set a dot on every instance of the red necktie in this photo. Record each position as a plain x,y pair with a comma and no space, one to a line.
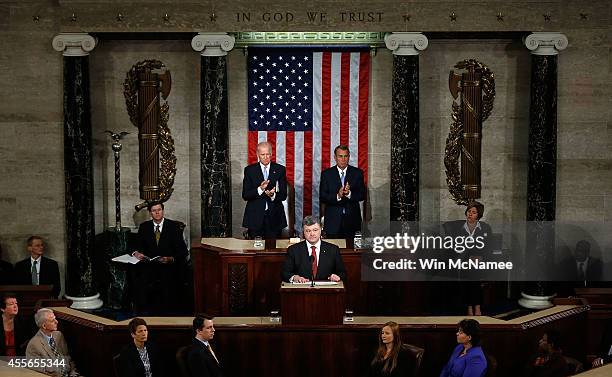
314,262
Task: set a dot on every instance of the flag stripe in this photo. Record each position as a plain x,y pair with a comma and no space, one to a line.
335,103
253,135
290,158
364,85
299,179
280,147
354,107
307,153
344,98
326,107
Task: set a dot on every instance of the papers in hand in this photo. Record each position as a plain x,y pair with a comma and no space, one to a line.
127,258
321,283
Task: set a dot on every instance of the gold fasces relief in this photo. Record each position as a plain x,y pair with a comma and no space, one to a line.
476,92
142,87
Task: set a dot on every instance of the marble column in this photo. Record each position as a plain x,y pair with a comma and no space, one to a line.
404,199
78,169
216,212
542,175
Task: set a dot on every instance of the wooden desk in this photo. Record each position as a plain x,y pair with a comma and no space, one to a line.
6,371
605,371
319,305
232,278
256,346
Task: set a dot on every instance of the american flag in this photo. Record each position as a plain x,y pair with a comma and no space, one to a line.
306,102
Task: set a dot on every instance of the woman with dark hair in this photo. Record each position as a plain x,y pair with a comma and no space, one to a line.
140,358
14,334
392,358
473,227
467,359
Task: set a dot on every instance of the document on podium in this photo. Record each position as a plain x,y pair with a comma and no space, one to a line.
318,283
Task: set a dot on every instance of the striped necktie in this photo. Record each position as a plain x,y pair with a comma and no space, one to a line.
58,355
34,273
212,352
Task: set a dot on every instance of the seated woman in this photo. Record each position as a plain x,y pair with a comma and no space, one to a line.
14,334
391,358
140,358
467,359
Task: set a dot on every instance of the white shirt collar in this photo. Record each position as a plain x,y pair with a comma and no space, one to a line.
467,228
203,341
341,170
161,224
317,245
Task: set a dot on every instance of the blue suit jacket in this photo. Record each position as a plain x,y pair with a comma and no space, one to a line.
473,364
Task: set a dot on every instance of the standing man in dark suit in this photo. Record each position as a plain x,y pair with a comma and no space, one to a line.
202,360
264,187
582,267
313,258
38,269
162,251
341,189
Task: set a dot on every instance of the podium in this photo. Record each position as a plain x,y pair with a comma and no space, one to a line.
322,304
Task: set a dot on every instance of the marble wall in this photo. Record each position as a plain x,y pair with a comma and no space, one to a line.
31,145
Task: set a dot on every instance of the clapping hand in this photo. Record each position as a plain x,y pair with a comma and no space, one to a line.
264,184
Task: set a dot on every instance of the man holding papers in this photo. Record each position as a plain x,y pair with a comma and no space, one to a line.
313,257
162,251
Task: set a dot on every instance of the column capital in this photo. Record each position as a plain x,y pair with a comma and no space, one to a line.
213,44
546,43
406,43
74,44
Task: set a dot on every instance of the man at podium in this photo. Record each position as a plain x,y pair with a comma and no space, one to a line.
313,259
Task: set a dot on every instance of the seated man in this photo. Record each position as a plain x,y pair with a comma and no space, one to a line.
313,259
155,283
48,343
202,360
38,269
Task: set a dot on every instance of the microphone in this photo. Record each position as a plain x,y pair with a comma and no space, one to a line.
312,281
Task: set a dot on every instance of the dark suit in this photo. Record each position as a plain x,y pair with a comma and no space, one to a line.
342,218
155,284
22,336
297,262
6,273
49,273
201,361
260,222
470,292
130,364
593,271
